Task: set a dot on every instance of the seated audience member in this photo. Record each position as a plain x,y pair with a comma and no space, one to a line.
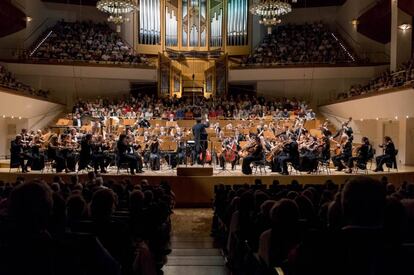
276,243
31,211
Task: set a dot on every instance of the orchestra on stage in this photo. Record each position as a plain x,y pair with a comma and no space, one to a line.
282,145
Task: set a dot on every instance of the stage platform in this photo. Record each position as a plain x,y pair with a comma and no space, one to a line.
198,191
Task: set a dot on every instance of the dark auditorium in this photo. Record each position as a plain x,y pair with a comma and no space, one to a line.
206,137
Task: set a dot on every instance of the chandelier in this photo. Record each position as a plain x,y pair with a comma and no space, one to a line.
117,10
271,11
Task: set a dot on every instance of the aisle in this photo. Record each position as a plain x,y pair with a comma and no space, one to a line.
193,250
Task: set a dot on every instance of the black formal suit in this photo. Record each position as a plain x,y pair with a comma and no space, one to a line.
77,122
290,154
18,155
200,140
387,157
125,156
256,155
85,157
344,157
362,158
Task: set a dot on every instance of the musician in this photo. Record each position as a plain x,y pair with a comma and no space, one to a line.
38,157
388,156
290,153
255,155
54,153
154,153
19,153
364,153
345,130
77,121
85,157
343,157
25,137
325,130
126,156
229,153
144,123
69,153
309,155
326,149
200,139
100,154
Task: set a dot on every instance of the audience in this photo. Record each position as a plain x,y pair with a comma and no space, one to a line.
7,80
387,80
299,44
233,107
86,42
357,228
94,228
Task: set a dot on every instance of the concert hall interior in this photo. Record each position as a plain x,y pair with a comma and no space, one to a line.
146,137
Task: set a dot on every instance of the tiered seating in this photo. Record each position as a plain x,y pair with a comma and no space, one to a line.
8,81
300,44
84,42
315,229
91,227
404,76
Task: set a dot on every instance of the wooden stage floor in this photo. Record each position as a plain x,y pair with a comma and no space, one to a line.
198,191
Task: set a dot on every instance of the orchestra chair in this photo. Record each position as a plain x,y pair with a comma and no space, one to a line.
292,169
48,164
393,163
14,163
323,166
120,165
260,164
167,147
372,160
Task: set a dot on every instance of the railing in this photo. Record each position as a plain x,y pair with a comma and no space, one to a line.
37,33
373,56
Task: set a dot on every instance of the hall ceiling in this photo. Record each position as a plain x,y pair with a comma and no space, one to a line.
299,4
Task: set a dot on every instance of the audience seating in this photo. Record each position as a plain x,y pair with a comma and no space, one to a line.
90,227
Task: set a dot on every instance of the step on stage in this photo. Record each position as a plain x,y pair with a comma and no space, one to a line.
194,186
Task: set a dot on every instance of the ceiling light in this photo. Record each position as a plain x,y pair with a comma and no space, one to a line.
270,11
29,19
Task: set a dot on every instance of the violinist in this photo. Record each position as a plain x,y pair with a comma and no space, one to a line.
388,155
290,153
255,154
326,149
38,157
344,156
17,152
364,153
69,152
154,153
100,157
126,156
308,155
85,157
54,153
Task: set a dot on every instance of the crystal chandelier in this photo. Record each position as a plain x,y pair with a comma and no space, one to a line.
271,11
117,10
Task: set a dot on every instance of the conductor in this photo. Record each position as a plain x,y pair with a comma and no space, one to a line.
200,139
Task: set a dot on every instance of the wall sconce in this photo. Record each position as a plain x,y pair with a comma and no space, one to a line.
29,19
405,27
355,22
